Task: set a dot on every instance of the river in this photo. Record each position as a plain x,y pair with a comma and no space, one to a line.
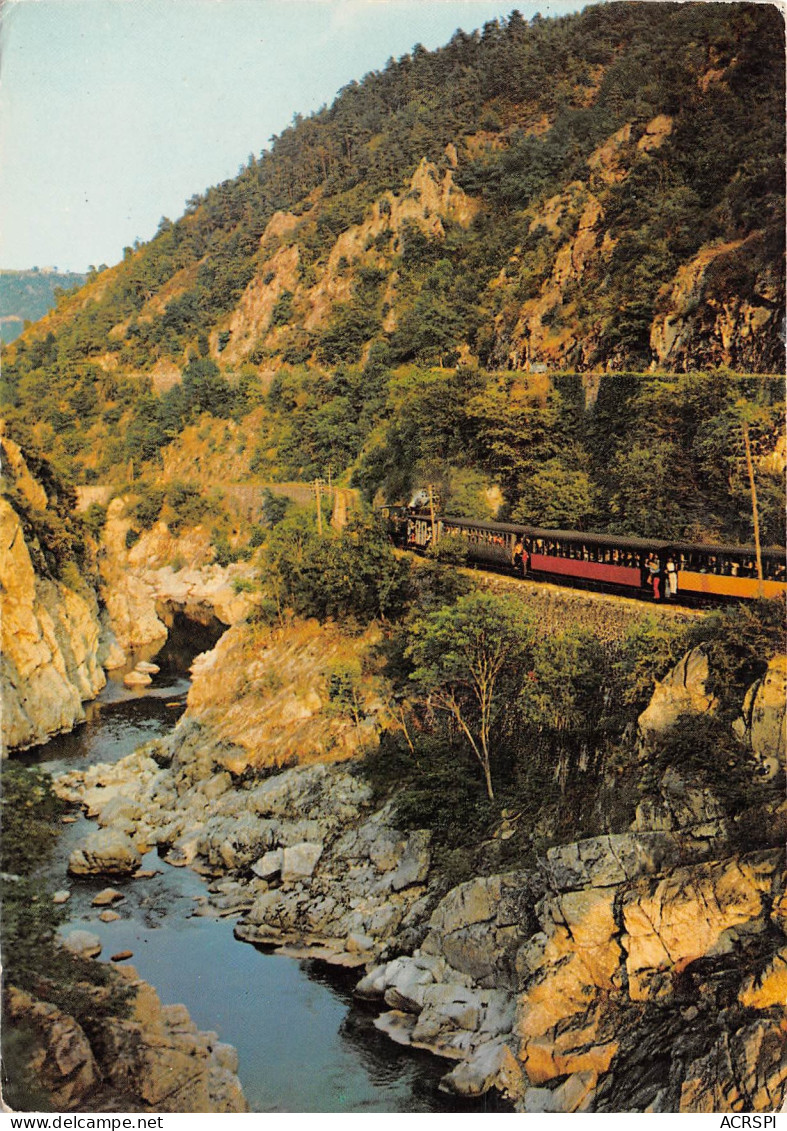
303,1043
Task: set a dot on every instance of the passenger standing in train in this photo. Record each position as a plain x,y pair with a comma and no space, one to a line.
654,576
519,550
672,579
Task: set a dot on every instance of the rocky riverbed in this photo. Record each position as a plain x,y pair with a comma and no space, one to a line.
638,971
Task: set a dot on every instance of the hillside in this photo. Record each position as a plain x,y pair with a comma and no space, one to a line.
26,296
597,193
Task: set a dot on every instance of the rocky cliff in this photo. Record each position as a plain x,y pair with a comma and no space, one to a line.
642,970
51,646
62,627
162,574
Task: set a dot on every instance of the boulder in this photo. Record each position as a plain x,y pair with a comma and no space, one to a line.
105,852
61,896
413,866
107,897
137,679
489,1066
300,860
83,943
269,865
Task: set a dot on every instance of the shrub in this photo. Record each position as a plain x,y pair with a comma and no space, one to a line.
148,506
187,503
94,518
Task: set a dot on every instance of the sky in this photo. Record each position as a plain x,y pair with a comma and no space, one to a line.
114,112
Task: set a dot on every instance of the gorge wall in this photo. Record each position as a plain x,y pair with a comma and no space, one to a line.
51,636
63,626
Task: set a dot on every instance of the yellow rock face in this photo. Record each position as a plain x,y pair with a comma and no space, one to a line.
50,640
687,915
769,987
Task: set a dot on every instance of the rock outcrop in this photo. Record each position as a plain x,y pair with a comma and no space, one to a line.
50,645
143,590
312,866
262,698
763,723
683,691
152,1059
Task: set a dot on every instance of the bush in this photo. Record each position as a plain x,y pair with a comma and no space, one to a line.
706,751
94,519
30,811
148,506
353,576
344,687
187,503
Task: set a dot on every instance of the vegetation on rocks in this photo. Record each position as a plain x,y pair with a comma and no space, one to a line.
33,959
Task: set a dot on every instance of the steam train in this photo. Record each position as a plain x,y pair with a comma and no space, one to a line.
638,567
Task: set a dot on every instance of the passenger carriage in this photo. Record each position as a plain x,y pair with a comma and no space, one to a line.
617,562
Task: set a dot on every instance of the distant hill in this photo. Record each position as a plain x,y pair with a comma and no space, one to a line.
26,296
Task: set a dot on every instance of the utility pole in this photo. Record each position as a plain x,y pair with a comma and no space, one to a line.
754,511
431,513
317,483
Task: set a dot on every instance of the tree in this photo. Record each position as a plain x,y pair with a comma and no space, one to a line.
468,659
557,497
352,576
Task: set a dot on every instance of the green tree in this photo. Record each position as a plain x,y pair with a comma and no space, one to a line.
468,658
353,575
558,497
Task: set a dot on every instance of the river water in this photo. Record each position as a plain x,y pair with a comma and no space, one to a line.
303,1043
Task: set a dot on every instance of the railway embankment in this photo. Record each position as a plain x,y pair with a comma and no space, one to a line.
560,608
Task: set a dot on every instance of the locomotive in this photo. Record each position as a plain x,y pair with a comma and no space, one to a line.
618,563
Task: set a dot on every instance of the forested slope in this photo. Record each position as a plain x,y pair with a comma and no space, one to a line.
601,192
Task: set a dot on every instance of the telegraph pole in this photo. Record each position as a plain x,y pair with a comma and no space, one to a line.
317,483
431,513
754,511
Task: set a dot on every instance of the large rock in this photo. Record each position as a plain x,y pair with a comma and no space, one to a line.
683,691
763,725
62,1061
300,860
50,643
106,852
84,944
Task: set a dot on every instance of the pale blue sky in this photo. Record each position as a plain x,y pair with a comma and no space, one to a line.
114,112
